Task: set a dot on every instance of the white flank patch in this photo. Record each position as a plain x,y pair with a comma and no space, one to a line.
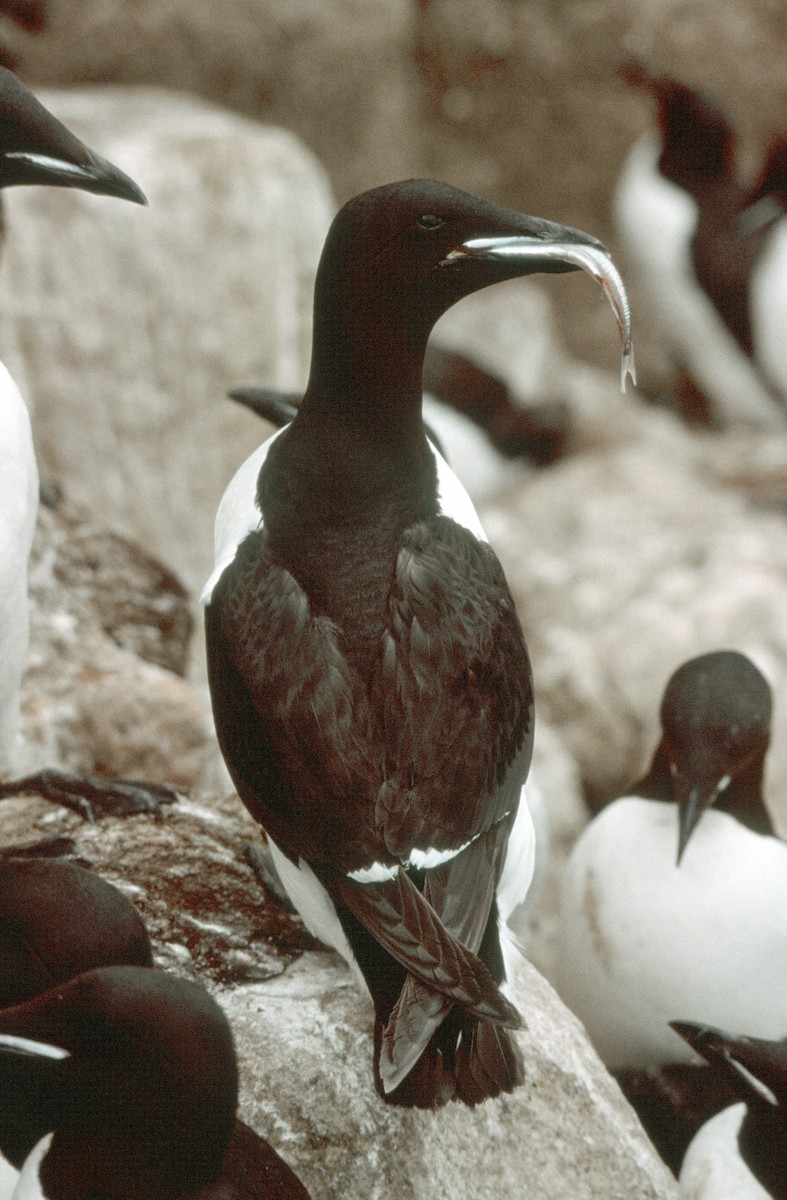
238,514
315,906
453,499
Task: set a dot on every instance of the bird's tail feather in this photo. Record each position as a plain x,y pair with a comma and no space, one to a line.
415,1018
407,926
488,1062
481,1059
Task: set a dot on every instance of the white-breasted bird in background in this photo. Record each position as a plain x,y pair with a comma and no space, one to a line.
673,897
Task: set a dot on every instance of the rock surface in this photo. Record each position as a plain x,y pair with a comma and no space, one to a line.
151,314
100,695
344,1142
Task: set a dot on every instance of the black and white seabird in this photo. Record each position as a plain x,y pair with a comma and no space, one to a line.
740,1154
123,1083
674,896
35,148
370,682
710,274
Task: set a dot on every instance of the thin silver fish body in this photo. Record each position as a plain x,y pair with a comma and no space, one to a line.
596,261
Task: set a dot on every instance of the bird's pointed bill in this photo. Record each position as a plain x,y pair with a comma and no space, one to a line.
594,259
95,174
693,800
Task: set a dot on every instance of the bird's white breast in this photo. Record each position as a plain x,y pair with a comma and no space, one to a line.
9,1177
643,941
713,1168
18,510
29,1184
238,514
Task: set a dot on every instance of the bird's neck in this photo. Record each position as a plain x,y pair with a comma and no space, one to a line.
742,798
369,373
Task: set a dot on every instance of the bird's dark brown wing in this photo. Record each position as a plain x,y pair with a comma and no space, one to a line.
453,693
291,713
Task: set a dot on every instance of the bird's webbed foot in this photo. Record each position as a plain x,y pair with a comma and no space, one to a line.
91,796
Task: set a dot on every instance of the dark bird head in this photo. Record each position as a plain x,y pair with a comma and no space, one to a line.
698,142
147,1086
756,1070
36,148
397,257
38,948
756,1067
716,718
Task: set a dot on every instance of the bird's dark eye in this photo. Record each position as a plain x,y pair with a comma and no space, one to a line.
430,221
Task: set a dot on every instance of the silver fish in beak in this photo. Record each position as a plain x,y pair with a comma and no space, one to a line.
596,260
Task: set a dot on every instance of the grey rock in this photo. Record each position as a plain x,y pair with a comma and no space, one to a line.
100,696
567,1132
104,580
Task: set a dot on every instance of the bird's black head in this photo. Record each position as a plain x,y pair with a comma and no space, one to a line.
756,1067
36,148
420,243
397,257
716,718
698,142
